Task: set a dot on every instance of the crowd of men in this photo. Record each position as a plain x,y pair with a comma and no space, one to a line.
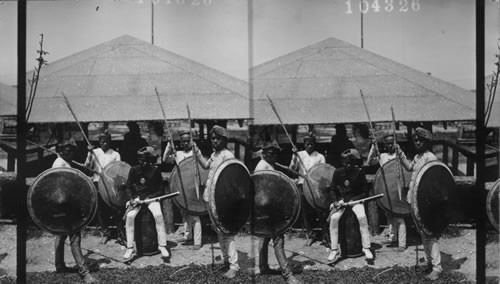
145,182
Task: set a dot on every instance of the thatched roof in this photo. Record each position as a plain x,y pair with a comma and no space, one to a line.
115,81
321,84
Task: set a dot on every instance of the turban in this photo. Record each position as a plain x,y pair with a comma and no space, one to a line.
105,135
146,152
424,133
351,154
219,130
309,137
271,145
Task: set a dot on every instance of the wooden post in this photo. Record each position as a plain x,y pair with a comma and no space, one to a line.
454,161
11,161
445,154
470,166
168,210
373,220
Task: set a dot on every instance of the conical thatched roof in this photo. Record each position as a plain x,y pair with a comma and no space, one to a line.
321,84
115,81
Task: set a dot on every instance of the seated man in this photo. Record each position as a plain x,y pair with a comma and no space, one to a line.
349,184
144,181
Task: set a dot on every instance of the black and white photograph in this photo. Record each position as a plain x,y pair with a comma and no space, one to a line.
249,141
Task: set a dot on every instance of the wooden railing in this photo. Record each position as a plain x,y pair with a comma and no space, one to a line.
458,151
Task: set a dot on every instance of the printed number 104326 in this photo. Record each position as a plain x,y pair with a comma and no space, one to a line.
377,6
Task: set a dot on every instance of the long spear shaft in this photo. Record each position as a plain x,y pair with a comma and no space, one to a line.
171,138
81,129
375,145
197,179
398,165
293,145
101,169
54,152
371,124
165,118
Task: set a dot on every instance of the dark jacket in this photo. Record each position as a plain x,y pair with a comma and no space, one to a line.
144,182
348,184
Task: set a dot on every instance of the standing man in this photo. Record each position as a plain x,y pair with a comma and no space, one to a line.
349,184
132,142
397,224
104,155
67,150
422,140
144,182
218,137
301,162
192,224
270,155
339,143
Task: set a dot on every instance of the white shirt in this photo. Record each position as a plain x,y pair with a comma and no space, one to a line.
263,165
309,161
179,155
418,162
215,160
60,163
103,158
384,157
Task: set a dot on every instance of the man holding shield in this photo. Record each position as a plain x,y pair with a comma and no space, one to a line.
218,137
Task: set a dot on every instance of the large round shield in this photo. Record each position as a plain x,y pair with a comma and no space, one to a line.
432,198
62,200
230,196
386,182
183,181
112,184
276,203
492,204
316,187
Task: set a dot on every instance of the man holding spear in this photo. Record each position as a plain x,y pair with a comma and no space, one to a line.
192,224
219,136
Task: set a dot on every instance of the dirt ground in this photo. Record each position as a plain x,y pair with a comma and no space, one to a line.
458,247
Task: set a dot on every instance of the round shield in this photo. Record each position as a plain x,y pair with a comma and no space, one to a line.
183,180
112,184
276,203
62,201
432,198
230,196
492,204
316,187
386,182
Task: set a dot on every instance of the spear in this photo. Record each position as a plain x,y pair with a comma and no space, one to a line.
170,137
101,169
400,173
197,179
375,145
293,145
54,152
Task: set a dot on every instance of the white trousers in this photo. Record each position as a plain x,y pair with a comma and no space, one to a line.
155,209
228,248
192,227
432,253
398,225
359,210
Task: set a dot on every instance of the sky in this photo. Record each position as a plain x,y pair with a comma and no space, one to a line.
433,36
